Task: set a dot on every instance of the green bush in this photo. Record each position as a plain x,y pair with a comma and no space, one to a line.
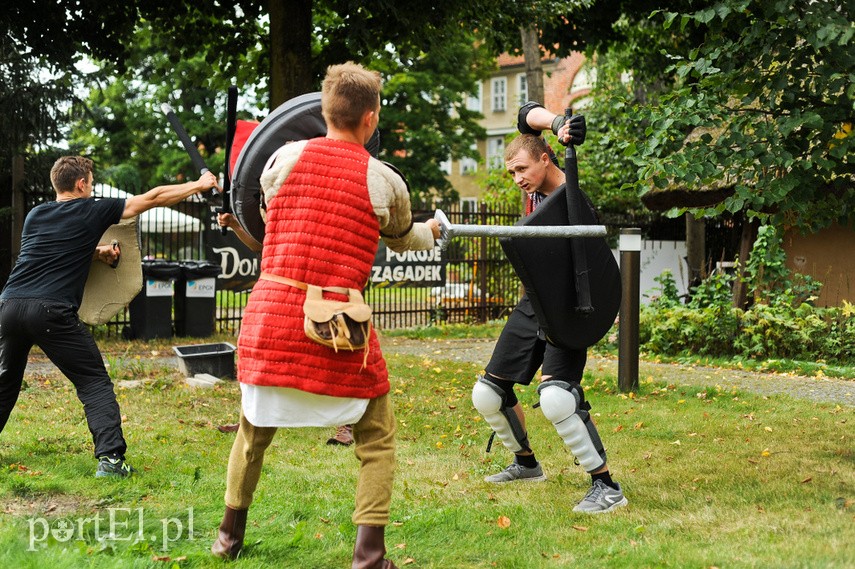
784,326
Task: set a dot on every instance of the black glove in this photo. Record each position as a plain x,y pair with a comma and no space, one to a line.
578,130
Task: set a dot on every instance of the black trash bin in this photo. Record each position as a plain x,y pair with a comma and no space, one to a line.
196,299
151,310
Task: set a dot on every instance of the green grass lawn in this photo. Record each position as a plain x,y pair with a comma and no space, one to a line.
714,479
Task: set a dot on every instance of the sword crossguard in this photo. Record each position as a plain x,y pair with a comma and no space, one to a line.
446,232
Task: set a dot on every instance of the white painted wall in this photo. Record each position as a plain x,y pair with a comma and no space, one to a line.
656,256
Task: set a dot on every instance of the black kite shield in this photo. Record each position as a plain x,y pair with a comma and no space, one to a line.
299,118
546,269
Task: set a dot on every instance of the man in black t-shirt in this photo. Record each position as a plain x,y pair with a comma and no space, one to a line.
38,305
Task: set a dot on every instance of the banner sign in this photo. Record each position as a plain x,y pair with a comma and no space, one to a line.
241,266
411,268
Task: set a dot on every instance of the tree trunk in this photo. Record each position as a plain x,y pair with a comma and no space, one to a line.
746,242
533,67
695,248
290,49
18,208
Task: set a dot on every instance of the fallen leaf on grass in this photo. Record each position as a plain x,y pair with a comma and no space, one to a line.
808,479
580,528
409,561
504,522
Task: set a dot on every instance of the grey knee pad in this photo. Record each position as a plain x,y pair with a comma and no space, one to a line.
489,400
564,404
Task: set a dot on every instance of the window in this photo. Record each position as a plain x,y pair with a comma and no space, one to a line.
473,101
469,165
500,89
522,88
496,152
584,79
468,205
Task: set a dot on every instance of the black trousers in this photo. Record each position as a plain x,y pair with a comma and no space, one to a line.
521,349
56,329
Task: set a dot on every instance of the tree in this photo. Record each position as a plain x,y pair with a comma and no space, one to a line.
772,85
124,128
754,99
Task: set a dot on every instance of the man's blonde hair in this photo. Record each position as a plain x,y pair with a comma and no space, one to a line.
348,92
534,145
67,170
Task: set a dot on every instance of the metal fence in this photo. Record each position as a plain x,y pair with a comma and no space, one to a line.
478,283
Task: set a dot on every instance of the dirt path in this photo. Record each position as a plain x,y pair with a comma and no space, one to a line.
820,389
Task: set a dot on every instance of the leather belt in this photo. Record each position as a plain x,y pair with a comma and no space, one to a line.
297,284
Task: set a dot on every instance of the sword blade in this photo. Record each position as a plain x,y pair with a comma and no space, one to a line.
231,122
566,231
189,147
448,230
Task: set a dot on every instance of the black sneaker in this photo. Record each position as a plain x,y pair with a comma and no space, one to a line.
113,467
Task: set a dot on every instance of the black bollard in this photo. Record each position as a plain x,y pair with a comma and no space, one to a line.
630,271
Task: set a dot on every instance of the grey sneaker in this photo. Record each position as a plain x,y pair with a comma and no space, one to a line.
517,472
113,467
601,498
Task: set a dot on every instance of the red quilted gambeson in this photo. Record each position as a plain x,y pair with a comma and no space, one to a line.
321,229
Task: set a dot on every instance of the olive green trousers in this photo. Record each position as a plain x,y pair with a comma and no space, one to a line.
374,437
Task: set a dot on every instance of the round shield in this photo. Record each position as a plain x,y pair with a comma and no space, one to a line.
299,118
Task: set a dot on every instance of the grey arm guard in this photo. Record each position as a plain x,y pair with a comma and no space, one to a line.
564,404
489,400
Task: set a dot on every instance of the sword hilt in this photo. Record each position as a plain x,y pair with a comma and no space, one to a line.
446,232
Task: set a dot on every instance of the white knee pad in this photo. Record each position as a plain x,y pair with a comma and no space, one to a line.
564,405
489,400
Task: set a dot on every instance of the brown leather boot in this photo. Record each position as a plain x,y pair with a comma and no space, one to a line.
230,539
343,436
370,549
